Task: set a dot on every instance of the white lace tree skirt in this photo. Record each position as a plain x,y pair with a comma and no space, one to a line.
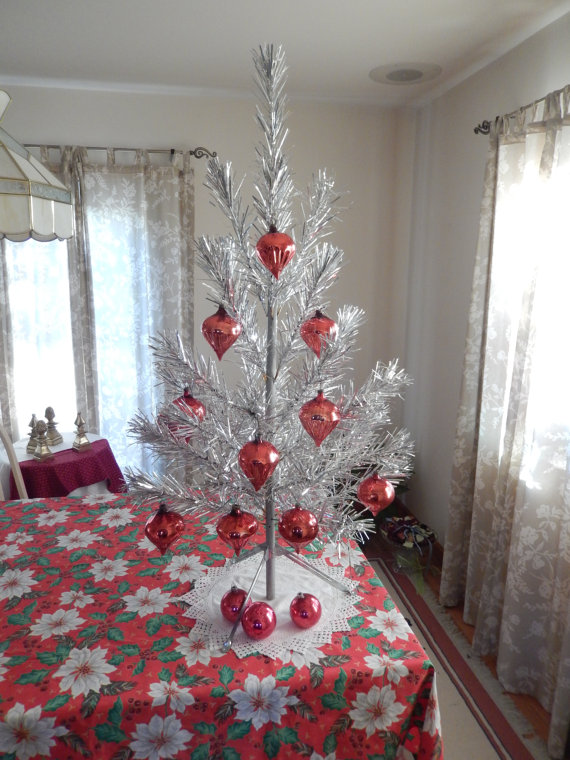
290,579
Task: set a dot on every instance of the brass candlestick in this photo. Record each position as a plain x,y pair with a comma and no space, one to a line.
33,442
53,435
42,451
81,442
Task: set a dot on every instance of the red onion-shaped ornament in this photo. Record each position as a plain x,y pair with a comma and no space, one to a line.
163,528
232,602
376,493
259,620
275,251
317,331
190,405
236,528
305,610
319,417
221,331
298,527
258,459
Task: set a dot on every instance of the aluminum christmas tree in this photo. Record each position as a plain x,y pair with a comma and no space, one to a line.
268,282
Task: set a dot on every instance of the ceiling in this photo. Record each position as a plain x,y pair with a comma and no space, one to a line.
204,46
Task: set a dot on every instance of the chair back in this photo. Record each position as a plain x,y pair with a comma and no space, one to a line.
14,466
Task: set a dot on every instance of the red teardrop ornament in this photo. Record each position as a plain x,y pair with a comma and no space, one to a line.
376,493
221,331
190,405
232,602
298,527
275,251
319,417
258,459
305,610
163,528
236,528
317,331
259,620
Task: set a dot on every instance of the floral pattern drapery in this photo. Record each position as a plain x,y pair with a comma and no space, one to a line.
131,276
507,551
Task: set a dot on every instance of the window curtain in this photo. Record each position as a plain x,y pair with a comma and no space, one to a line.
131,276
507,549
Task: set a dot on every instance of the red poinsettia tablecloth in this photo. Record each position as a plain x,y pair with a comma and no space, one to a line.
98,661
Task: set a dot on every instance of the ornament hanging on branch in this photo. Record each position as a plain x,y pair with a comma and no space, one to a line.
236,528
164,527
319,417
298,527
221,331
275,251
258,459
318,331
190,405
376,493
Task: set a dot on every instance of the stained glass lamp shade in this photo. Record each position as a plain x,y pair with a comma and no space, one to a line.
33,202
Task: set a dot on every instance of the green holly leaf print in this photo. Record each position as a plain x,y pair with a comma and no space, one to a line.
163,643
369,633
55,703
229,753
165,675
107,732
388,604
218,691
202,752
226,675
333,701
34,676
340,683
345,643
205,728
356,621
329,744
139,668
285,673
115,713
239,730
271,744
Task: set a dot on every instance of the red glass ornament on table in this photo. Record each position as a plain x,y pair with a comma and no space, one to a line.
236,528
318,331
259,620
258,459
298,527
232,602
319,417
164,527
376,493
221,331
275,250
305,610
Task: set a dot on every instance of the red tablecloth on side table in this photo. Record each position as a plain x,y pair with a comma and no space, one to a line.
98,660
68,470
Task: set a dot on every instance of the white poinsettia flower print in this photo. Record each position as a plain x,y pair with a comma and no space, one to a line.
392,624
26,734
16,583
376,710
18,538
57,623
261,701
84,670
116,517
161,738
77,539
195,648
52,517
3,660
316,756
336,553
185,568
147,601
299,659
76,597
178,697
380,664
432,722
146,544
9,551
108,569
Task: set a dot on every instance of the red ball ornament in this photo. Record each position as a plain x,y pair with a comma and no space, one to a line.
317,331
258,459
305,610
376,493
232,602
221,331
319,417
259,620
190,405
236,528
298,527
275,251
163,528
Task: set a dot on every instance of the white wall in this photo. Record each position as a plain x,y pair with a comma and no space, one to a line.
449,165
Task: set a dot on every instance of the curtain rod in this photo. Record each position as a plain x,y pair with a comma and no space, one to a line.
485,126
199,152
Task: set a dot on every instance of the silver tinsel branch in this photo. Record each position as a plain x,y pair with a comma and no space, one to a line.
201,459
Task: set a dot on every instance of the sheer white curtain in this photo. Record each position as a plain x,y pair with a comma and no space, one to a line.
507,551
77,317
